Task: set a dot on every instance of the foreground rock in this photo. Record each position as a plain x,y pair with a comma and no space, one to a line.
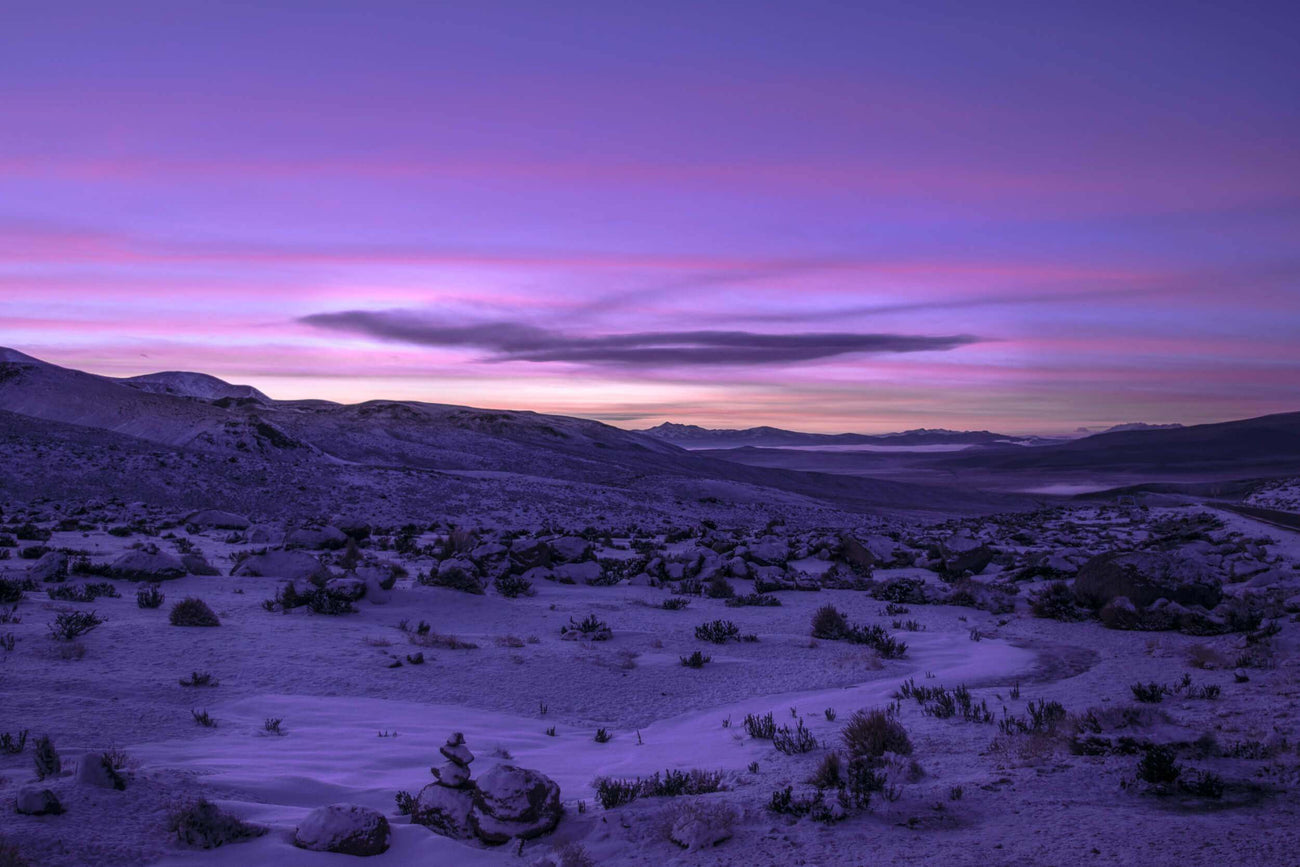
294,565
146,565
506,803
1145,576
345,829
217,519
38,802
512,802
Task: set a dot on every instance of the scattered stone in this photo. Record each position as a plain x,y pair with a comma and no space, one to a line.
32,801
346,829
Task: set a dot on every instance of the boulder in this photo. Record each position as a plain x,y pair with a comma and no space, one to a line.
147,566
578,573
346,829
349,589
856,554
1144,577
570,549
530,553
51,566
32,801
512,802
702,827
770,550
354,527
197,564
217,519
294,565
1120,613
444,810
94,769
316,538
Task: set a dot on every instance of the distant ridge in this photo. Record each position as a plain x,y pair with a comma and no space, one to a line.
694,436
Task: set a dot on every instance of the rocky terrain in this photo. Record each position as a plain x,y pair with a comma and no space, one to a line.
236,630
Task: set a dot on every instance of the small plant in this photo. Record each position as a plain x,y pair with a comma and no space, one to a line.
193,611
829,623
794,741
753,767
273,725
204,719
11,591
1202,784
760,727
512,586
718,632
13,745
199,678
590,627
695,660
405,803
416,658
612,792
46,758
675,603
150,596
1056,602
1151,693
73,624
82,592
759,600
8,642
871,734
1158,766
203,825
550,731
603,736
830,714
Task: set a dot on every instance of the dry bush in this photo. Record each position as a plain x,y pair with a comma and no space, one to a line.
871,734
1205,657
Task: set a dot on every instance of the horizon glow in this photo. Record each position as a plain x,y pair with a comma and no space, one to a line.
1012,216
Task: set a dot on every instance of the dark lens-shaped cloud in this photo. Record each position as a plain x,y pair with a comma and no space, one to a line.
513,341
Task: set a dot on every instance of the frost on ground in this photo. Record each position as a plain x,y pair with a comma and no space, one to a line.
1082,684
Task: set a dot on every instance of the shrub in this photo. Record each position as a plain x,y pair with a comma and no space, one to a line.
83,592
871,734
603,736
762,600
829,623
1158,766
149,596
675,603
193,611
1151,693
46,758
695,660
273,725
877,639
1203,784
794,741
11,591
590,627
200,678
829,773
718,632
204,825
203,718
13,745
1056,602
612,792
72,624
512,586
761,727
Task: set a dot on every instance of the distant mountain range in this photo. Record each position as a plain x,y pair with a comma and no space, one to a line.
691,436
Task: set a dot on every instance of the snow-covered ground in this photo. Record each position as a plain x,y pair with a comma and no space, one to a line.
975,798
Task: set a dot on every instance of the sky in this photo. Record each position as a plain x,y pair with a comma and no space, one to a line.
1023,217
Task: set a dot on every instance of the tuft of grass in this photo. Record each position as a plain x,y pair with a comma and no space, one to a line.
193,611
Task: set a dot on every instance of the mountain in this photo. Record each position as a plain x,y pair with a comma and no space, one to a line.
1265,445
691,436
196,385
296,446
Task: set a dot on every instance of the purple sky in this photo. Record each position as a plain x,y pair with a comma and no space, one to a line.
828,216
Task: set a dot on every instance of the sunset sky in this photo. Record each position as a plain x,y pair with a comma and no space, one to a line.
1026,217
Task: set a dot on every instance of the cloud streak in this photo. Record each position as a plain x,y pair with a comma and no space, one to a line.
514,341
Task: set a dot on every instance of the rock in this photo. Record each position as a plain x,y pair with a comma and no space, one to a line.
770,550
1144,577
444,810
570,549
263,536
530,553
578,573
32,801
316,538
456,751
1240,676
347,829
348,589
857,555
294,565
94,769
452,775
378,586
147,566
197,564
962,554
700,828
217,519
512,802
354,527
51,566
